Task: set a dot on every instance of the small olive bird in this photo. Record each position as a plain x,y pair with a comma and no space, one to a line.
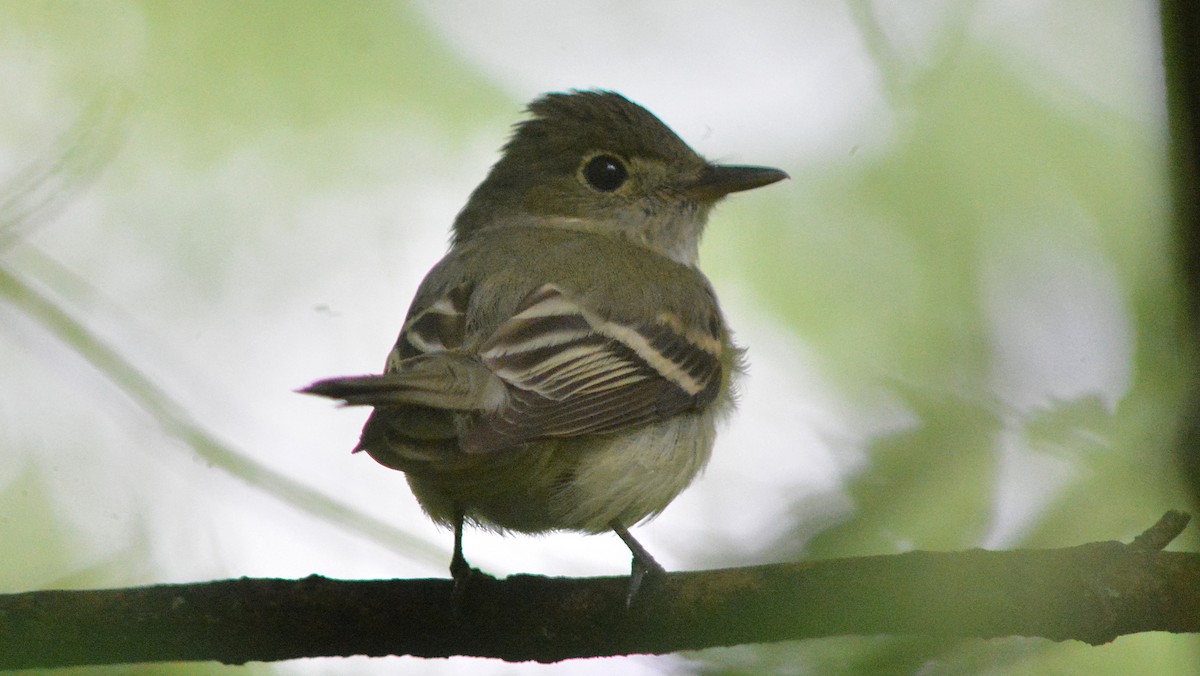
564,366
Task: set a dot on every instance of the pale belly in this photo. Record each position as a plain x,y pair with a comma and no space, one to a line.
584,484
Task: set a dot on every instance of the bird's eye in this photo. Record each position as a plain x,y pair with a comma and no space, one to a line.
605,173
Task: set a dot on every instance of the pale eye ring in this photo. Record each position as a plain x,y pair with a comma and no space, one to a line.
605,173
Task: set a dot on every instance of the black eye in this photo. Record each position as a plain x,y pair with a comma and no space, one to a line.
605,173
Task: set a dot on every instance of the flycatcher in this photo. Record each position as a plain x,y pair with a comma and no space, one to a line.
564,366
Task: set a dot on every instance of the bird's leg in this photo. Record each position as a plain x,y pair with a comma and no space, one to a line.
645,568
459,567
460,570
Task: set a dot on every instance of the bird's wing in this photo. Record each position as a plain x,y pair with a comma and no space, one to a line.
571,372
440,327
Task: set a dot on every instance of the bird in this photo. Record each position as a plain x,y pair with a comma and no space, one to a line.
565,365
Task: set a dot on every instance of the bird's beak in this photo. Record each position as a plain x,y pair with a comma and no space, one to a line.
718,180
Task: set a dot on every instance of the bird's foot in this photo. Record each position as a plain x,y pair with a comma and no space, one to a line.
647,575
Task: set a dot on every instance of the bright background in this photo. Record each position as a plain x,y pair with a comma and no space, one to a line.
961,312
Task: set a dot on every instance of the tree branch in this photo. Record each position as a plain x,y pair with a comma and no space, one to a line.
1093,593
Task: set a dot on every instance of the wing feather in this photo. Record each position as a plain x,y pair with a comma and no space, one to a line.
570,372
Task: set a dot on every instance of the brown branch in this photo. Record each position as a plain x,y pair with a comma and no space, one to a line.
1093,593
1161,534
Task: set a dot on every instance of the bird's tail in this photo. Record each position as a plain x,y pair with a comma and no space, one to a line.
437,380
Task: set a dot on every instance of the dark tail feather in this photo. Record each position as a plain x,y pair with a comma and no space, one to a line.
354,390
447,382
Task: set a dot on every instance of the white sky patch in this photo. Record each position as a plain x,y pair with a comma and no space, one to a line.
1057,317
